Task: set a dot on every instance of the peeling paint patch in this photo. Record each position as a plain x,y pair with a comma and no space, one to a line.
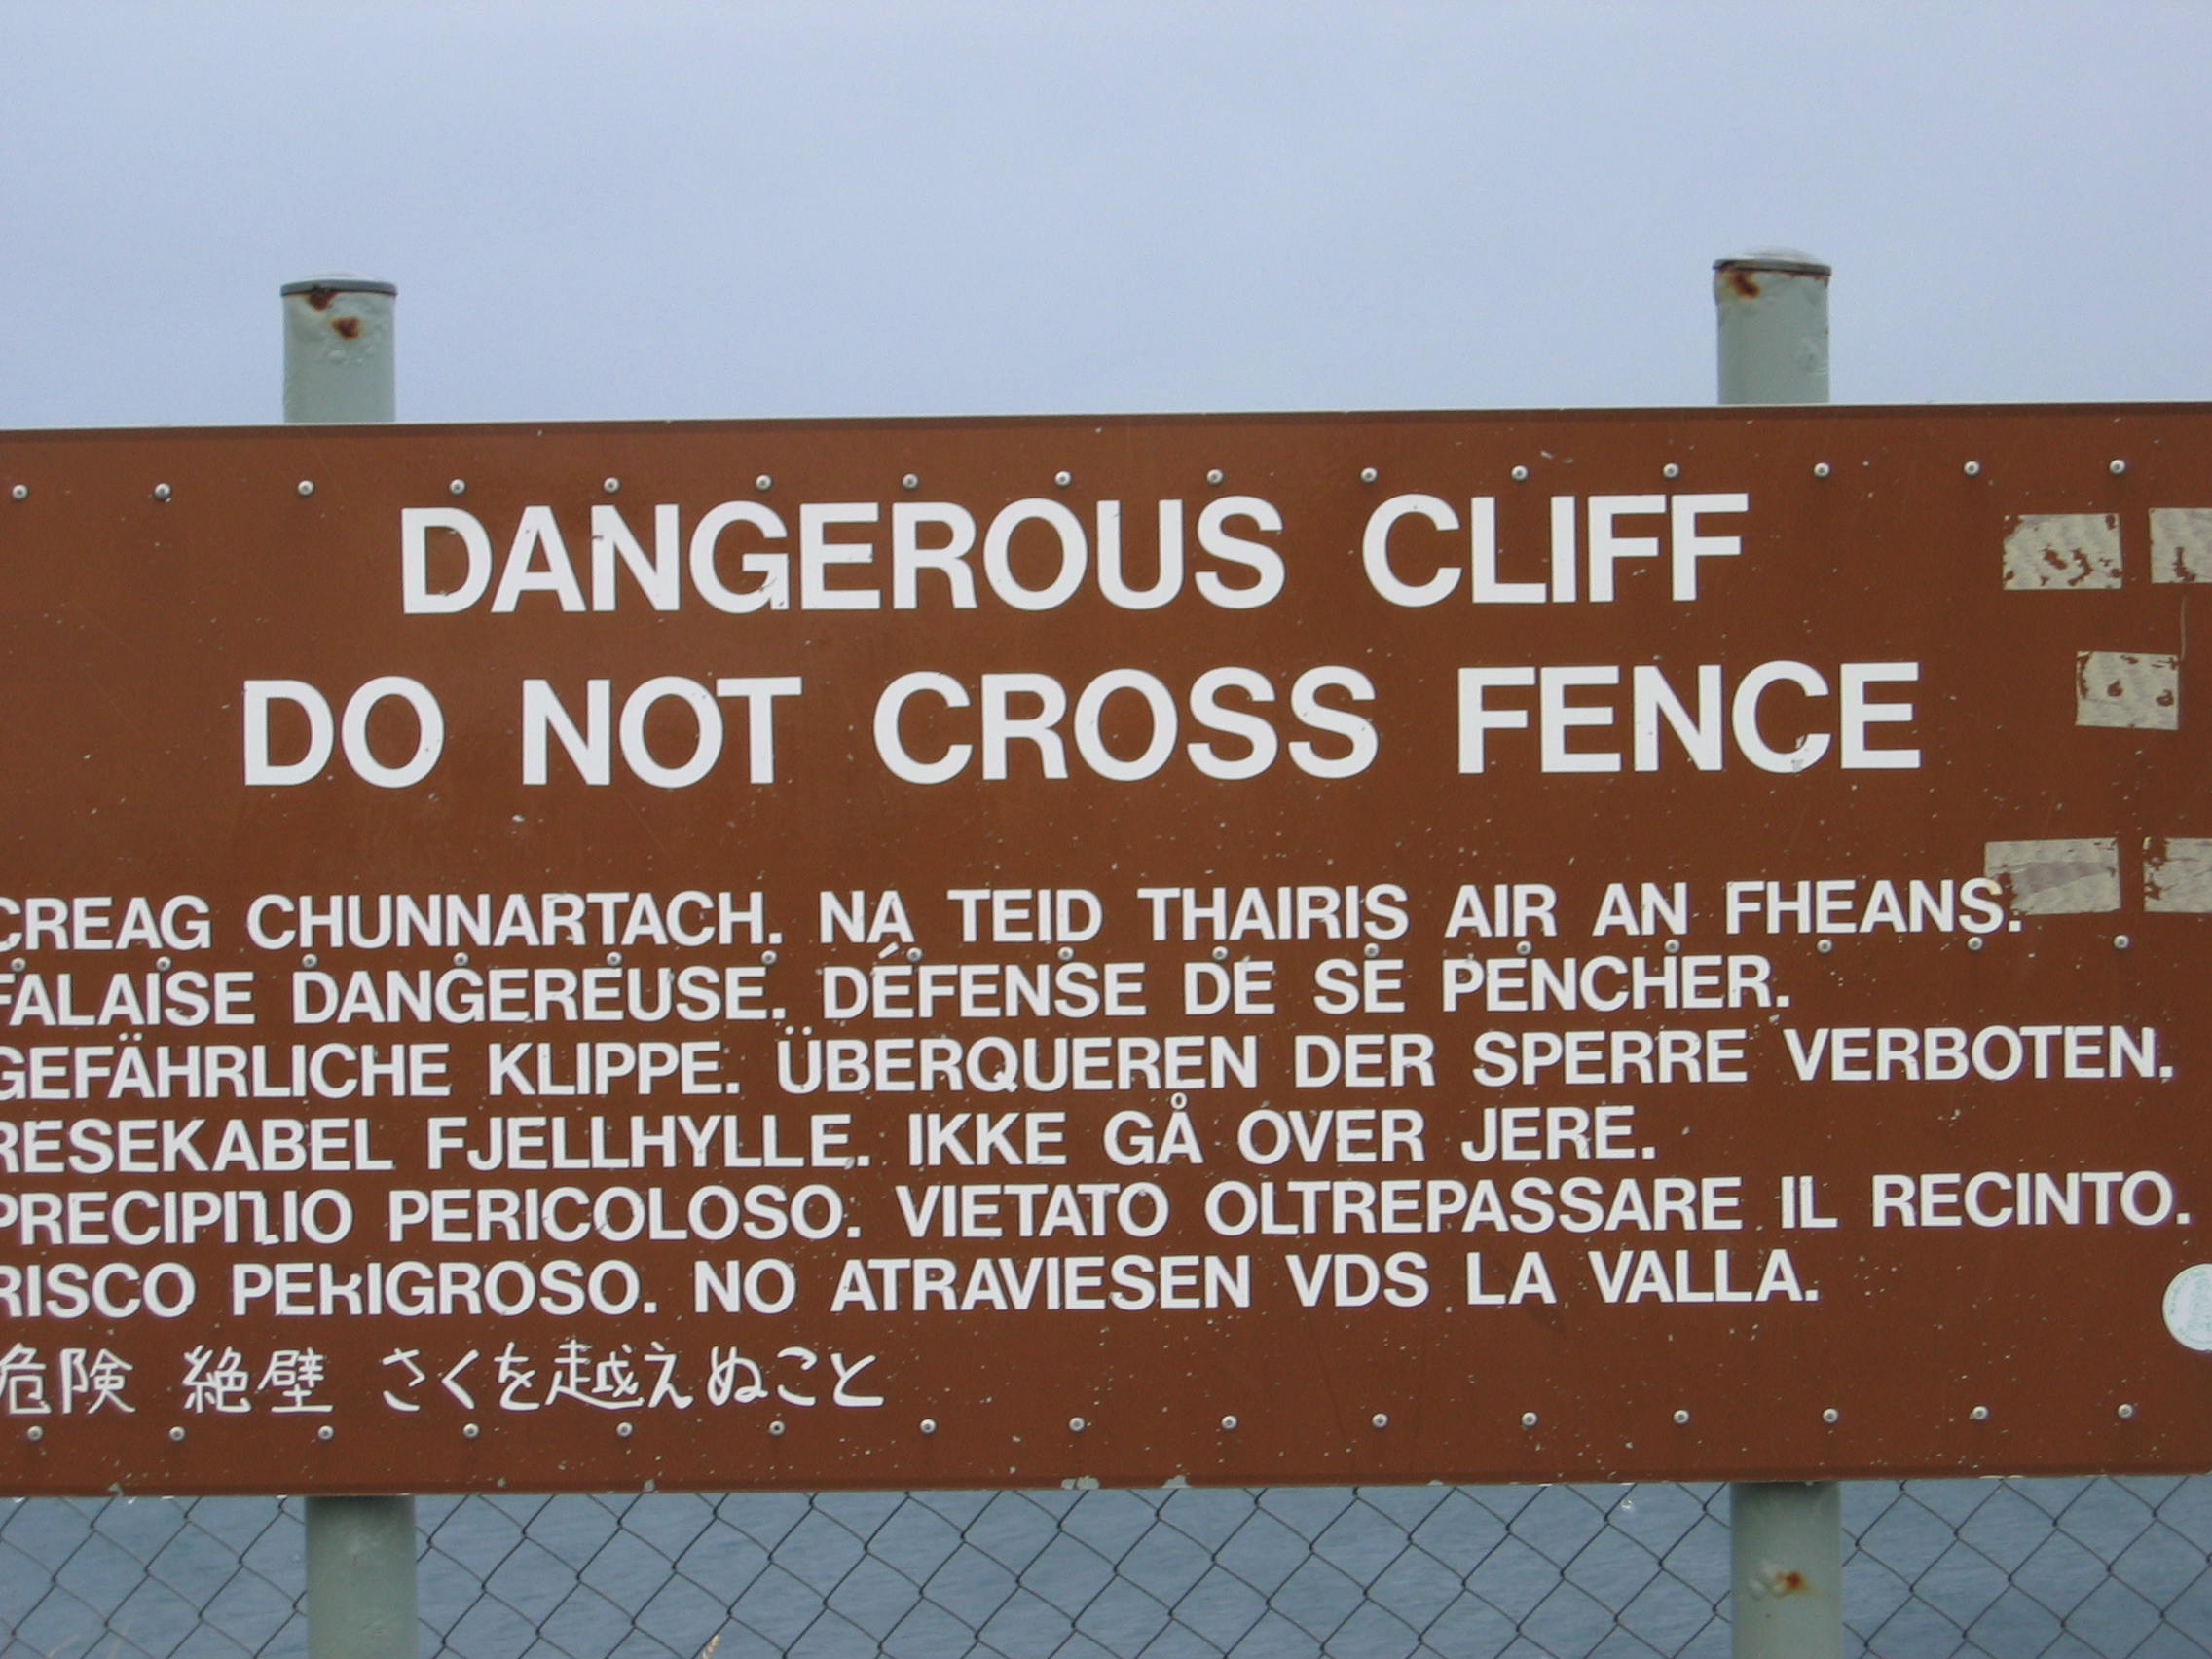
2177,874
2063,550
1081,1483
2055,878
2125,688
2181,544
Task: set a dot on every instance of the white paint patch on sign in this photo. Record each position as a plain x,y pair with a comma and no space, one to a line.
2189,1307
2055,878
2063,550
2181,544
2177,874
2127,689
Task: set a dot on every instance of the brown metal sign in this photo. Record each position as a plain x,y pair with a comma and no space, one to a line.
994,953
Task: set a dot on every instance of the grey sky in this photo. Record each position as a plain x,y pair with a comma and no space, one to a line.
783,209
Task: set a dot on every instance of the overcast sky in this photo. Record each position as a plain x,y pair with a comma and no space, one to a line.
664,209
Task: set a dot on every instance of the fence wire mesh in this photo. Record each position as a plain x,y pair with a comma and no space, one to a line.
2077,1568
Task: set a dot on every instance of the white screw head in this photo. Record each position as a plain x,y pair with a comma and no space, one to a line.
1831,1415
913,480
1076,1425
21,491
914,953
1981,1413
2121,941
1228,1424
764,482
1067,953
1064,479
324,1432
309,960
1975,942
1681,1417
769,957
1819,470
458,487
1214,475
163,963
34,1433
1371,951
1381,1419
623,1430
161,492
306,486
1528,1419
1520,475
776,1427
1669,470
1221,953
1825,947
611,485
1973,470
1672,948
461,959
1368,475
177,1432
2118,466
614,959
929,1425
2127,1411
469,1432
1523,947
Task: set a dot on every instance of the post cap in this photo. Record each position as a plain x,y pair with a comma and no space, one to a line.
338,282
1793,260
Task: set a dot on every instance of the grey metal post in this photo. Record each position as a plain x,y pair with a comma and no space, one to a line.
361,1601
361,1578
1786,1537
337,359
1774,327
1786,1562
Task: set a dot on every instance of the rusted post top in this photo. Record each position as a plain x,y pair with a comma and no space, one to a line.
339,283
1743,268
339,363
1773,306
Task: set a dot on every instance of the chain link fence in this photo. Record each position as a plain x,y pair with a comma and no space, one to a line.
2077,1568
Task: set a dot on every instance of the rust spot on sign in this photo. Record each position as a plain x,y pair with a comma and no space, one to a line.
1743,282
348,326
321,298
1786,1583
